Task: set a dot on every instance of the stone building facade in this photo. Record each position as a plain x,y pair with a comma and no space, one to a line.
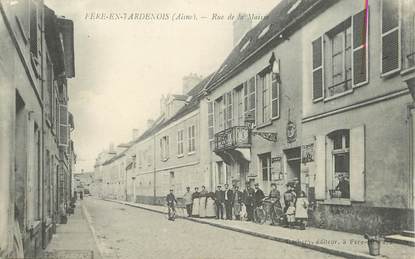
36,150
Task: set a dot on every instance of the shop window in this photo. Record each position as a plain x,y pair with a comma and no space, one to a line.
339,180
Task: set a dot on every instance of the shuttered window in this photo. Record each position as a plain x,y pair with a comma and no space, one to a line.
320,167
210,121
275,96
63,125
318,81
250,98
357,165
229,109
391,60
360,48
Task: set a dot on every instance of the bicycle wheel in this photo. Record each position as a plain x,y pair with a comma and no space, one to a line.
260,215
276,215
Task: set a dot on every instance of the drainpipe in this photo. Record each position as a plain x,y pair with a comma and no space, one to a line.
154,168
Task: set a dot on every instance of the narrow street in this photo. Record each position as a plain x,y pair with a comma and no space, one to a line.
129,232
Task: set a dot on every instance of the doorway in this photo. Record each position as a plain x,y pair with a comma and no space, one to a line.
293,158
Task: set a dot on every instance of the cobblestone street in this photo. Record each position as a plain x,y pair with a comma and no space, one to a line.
127,232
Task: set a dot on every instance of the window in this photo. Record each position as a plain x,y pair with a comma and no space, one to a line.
164,148
37,176
265,163
340,41
219,117
339,186
239,105
229,110
250,98
390,36
180,149
49,91
192,139
275,96
210,122
341,57
63,125
263,84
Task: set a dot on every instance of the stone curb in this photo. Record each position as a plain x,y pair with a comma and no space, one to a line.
323,249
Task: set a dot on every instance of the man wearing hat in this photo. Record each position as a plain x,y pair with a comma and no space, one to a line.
258,196
219,200
248,200
188,201
171,200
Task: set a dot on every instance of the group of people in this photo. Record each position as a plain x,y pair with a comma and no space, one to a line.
231,203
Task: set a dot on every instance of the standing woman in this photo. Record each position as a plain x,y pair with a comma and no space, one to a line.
196,202
202,202
237,203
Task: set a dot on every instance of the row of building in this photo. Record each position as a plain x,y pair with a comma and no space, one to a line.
36,150
319,92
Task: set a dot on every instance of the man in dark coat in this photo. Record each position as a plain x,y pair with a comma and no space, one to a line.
259,195
248,200
219,200
228,202
171,201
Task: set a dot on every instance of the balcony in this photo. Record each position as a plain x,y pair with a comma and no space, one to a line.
232,138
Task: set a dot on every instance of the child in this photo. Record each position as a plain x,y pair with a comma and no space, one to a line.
301,207
290,214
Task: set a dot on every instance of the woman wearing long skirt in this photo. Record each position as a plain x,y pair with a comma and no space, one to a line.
210,206
202,202
196,203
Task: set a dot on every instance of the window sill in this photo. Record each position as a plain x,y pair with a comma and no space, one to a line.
318,99
180,156
338,201
390,74
165,160
191,153
407,71
338,95
264,125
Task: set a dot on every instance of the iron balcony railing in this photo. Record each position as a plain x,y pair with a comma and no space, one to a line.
231,138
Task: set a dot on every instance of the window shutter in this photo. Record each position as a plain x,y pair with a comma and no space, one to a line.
63,125
391,60
320,171
318,73
357,164
360,48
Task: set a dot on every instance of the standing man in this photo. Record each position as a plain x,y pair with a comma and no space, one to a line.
228,202
219,200
248,200
171,201
188,201
259,195
237,202
196,202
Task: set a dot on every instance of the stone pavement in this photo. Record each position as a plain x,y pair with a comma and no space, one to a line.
74,240
333,242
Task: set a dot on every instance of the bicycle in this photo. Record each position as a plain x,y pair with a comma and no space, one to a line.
171,212
276,213
260,214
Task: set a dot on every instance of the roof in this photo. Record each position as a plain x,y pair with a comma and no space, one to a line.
160,122
283,19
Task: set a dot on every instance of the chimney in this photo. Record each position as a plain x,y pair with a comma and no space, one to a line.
136,133
190,81
150,123
241,25
112,149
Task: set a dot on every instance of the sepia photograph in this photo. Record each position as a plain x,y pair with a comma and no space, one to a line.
220,129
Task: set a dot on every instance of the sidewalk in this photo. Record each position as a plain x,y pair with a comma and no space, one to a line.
327,241
74,239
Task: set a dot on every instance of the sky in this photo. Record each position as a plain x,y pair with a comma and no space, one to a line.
124,66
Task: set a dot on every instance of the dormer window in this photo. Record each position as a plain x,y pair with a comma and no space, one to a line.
264,31
245,45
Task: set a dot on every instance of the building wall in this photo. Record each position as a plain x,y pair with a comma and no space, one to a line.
381,107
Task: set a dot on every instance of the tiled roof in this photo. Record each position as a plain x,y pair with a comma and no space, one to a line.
285,18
